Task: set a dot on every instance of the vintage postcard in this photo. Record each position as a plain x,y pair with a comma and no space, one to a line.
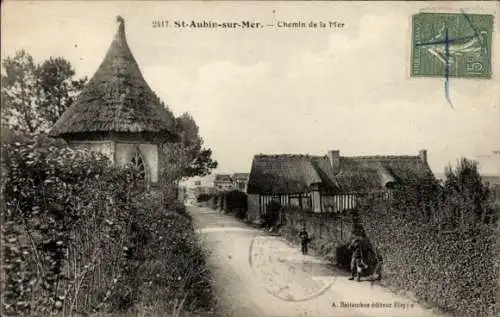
250,158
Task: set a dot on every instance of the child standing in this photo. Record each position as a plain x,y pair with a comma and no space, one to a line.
304,240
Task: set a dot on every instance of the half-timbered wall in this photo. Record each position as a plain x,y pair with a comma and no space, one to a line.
317,202
339,203
303,201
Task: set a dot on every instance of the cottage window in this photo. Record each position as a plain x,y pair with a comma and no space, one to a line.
138,162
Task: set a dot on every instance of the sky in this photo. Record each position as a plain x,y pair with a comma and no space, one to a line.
281,90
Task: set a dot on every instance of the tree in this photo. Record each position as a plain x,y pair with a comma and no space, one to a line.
34,95
185,158
21,93
416,194
197,160
58,88
466,195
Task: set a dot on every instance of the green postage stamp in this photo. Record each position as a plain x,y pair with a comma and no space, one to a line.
451,45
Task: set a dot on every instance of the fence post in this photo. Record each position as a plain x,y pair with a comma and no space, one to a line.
341,229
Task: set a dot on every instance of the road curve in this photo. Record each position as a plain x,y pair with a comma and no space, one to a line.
258,275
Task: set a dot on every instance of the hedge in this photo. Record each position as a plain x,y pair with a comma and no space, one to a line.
234,202
455,270
79,235
204,197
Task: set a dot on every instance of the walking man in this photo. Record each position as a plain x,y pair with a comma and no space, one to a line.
304,240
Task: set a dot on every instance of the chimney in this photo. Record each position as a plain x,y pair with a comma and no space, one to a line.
423,155
334,157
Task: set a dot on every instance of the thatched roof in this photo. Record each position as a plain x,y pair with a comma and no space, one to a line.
273,174
116,99
288,174
367,173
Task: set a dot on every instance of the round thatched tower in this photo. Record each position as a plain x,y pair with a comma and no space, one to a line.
118,114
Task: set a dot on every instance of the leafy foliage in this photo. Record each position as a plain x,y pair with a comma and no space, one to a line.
456,270
58,88
466,198
463,199
204,197
415,193
271,217
449,257
35,95
185,158
81,235
63,208
20,92
197,161
236,202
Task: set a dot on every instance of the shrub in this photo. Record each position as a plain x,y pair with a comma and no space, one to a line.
203,197
446,237
236,199
172,273
415,194
66,224
237,203
456,270
271,217
80,235
466,198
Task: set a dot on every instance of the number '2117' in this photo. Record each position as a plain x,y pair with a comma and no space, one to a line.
160,24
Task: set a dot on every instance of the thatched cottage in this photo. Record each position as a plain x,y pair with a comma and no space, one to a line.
118,114
329,183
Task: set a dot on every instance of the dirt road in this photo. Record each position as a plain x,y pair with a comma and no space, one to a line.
259,275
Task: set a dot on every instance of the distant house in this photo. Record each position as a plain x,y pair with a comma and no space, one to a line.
223,182
195,186
329,183
240,181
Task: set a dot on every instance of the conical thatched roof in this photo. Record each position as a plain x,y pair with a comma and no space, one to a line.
116,99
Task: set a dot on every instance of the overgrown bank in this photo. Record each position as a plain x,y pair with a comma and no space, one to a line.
441,246
455,270
82,236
